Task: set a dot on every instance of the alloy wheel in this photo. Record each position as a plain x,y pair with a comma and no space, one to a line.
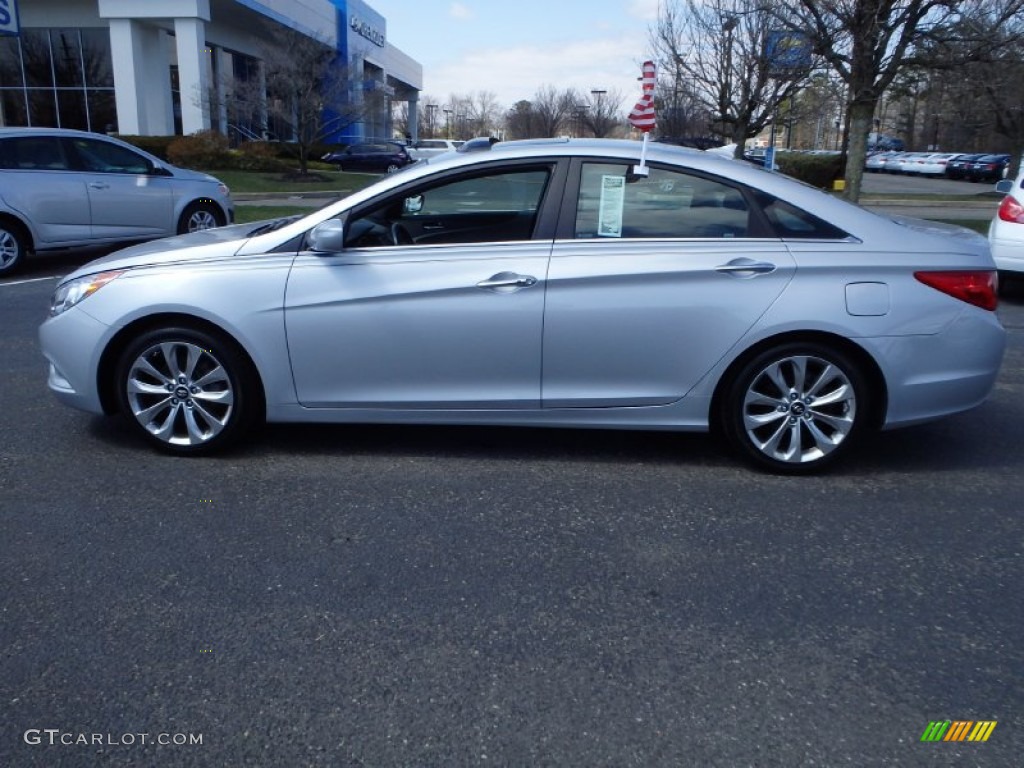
180,393
799,409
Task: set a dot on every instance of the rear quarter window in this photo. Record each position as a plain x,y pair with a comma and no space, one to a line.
792,223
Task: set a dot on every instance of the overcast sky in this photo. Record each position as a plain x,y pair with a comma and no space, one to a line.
513,47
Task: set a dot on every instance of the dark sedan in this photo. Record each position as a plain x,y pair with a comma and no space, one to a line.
957,167
372,157
988,168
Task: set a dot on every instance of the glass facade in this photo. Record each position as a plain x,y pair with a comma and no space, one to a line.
57,78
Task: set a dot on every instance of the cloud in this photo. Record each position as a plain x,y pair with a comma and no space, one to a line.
644,9
461,12
518,72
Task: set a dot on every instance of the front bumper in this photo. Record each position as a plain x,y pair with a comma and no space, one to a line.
72,343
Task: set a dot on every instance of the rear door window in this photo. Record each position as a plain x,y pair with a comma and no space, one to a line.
664,204
32,153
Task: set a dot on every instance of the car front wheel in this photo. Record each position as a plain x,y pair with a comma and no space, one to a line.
795,408
12,248
187,391
200,216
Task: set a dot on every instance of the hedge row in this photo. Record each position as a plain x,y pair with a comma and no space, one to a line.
817,170
209,150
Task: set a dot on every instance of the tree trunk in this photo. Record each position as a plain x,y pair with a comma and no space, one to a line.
860,116
739,138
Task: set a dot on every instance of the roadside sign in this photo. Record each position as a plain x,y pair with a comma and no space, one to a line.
9,17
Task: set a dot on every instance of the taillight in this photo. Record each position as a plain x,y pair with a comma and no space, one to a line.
1012,211
978,288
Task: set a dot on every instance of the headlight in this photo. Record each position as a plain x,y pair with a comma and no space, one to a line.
70,293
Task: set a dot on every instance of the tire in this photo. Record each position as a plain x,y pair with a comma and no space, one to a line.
393,168
12,248
795,408
199,216
187,391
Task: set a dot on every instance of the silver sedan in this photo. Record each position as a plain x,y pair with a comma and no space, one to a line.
552,283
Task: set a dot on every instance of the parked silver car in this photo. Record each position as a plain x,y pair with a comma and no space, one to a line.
64,189
547,283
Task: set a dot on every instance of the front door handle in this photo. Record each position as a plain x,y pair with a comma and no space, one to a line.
507,282
99,185
746,268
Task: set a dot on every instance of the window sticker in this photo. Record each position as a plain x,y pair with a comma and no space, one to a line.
613,200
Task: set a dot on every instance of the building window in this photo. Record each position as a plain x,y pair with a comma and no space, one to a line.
57,78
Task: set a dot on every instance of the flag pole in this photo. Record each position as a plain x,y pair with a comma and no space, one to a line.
642,169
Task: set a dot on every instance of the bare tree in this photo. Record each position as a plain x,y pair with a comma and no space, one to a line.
481,112
603,114
310,90
553,109
520,121
868,43
976,68
723,49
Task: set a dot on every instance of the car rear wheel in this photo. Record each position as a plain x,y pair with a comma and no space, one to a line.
12,248
200,216
795,408
393,168
187,391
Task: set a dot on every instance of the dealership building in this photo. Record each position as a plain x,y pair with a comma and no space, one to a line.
165,67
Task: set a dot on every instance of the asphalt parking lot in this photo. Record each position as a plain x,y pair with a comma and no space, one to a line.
396,596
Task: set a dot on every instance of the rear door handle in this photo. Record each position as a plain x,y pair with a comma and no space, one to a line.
99,185
746,268
507,282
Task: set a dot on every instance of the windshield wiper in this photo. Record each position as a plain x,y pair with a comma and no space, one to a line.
270,226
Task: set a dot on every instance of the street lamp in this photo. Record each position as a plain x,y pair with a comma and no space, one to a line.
447,122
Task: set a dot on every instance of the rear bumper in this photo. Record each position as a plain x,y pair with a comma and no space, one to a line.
934,376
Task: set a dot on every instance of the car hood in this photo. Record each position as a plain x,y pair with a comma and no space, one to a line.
190,175
219,242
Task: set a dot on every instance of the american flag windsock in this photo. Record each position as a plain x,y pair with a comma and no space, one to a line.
642,116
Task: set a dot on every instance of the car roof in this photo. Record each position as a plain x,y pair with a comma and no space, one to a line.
33,131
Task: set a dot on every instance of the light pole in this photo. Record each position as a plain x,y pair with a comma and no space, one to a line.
447,122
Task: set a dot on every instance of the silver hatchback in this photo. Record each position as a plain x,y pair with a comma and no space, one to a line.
65,189
550,283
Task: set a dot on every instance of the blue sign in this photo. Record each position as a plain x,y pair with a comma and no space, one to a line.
788,53
9,17
769,158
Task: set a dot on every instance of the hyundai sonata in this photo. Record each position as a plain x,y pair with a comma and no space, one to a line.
543,283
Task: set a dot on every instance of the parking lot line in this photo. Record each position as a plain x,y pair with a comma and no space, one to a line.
32,280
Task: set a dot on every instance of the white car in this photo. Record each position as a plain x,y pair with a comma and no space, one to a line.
935,164
425,148
1006,232
878,161
908,163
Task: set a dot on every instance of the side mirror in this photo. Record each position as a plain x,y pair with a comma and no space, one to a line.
327,236
1005,186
